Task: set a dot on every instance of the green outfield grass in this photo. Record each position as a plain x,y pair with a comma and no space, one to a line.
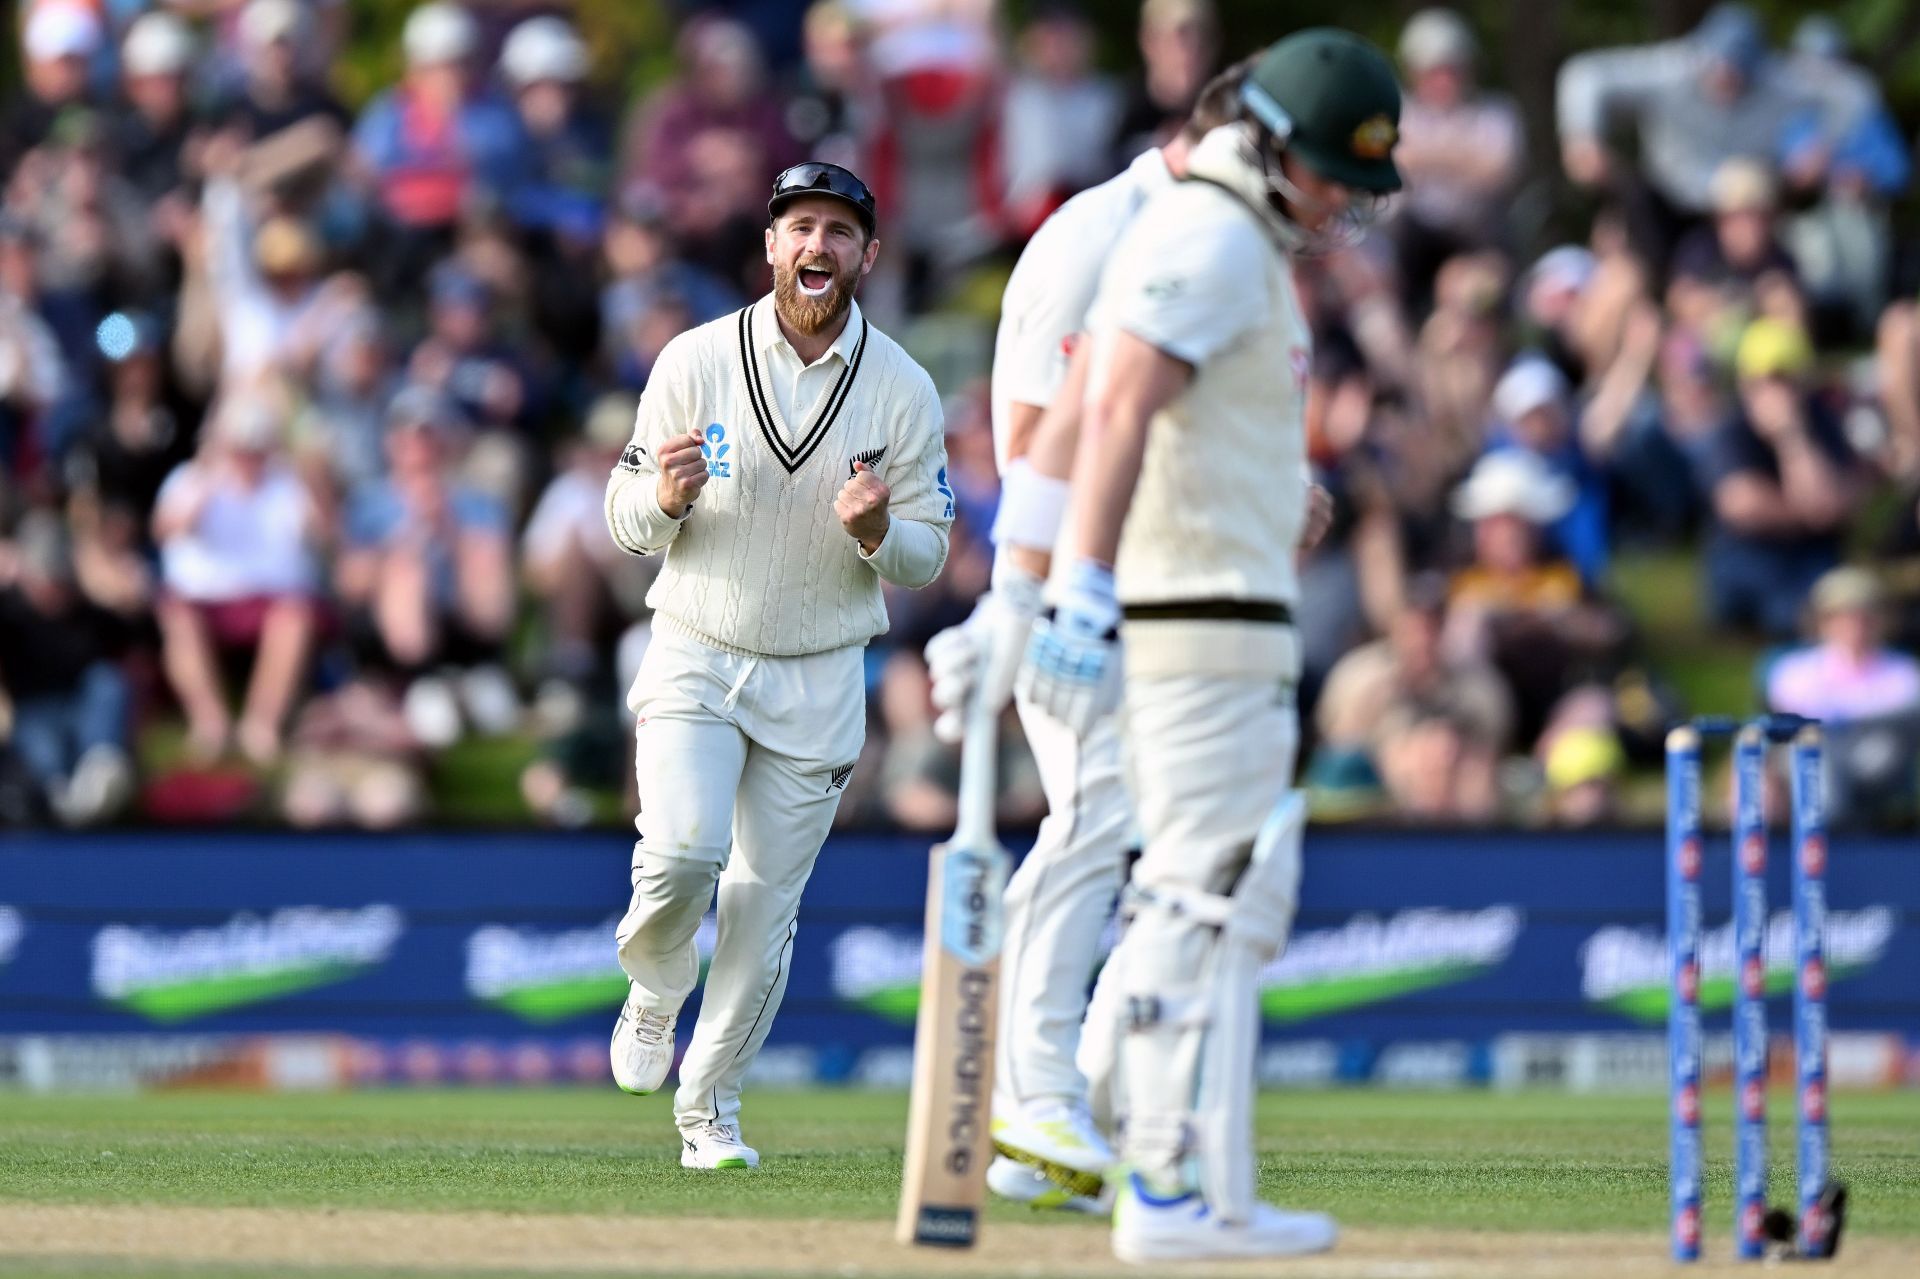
1467,1161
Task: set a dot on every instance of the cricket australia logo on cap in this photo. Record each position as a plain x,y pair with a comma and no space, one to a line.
714,448
1374,138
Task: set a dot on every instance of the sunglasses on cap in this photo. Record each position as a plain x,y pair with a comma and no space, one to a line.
818,178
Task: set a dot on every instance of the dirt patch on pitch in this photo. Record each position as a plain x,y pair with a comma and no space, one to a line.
549,1244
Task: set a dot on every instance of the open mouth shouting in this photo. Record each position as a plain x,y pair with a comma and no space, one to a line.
816,280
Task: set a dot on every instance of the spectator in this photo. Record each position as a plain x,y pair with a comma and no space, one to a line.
1061,116
1650,420
33,369
426,575
571,143
59,41
338,433
465,358
1515,604
1534,413
1431,728
1694,103
920,779
152,125
275,302
830,106
1180,46
1866,694
586,588
1573,303
1848,673
236,529
1844,242
937,166
642,255
1733,255
354,761
706,144
1783,482
1460,151
96,239
435,144
68,697
277,87
126,455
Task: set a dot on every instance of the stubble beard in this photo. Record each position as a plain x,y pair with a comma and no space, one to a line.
805,314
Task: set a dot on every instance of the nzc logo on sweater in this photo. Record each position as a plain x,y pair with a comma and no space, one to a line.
714,448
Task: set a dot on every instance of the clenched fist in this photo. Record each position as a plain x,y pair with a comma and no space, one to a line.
862,508
683,472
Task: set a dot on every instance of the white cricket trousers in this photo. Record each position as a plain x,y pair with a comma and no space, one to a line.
1211,755
1057,906
742,761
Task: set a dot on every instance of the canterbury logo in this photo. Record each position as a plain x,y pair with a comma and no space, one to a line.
630,459
870,459
840,776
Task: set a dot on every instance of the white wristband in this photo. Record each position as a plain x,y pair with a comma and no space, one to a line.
1032,506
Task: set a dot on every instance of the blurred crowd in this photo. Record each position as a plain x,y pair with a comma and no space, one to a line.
306,410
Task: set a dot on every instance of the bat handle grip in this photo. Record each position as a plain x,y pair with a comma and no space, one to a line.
979,774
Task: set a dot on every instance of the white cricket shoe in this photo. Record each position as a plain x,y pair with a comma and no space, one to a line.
715,1145
642,1048
1057,1136
1148,1228
1023,1184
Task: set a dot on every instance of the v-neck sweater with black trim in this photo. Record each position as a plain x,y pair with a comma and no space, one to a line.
760,564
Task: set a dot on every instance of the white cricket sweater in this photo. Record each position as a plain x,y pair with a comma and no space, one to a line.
760,564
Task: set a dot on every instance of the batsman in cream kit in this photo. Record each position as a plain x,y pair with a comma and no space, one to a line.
1183,517
788,459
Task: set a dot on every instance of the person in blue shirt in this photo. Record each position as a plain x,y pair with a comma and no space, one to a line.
436,143
1534,413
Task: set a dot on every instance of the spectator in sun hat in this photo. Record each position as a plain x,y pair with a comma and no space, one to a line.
1866,693
544,63
279,85
1782,480
236,529
58,45
436,141
1460,148
1848,673
1740,245
1516,603
151,124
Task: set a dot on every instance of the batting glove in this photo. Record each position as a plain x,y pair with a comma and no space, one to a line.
1072,668
981,654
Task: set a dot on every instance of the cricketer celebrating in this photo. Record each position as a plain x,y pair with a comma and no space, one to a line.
1058,901
1184,514
787,458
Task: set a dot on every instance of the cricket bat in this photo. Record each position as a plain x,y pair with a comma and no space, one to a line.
949,1140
